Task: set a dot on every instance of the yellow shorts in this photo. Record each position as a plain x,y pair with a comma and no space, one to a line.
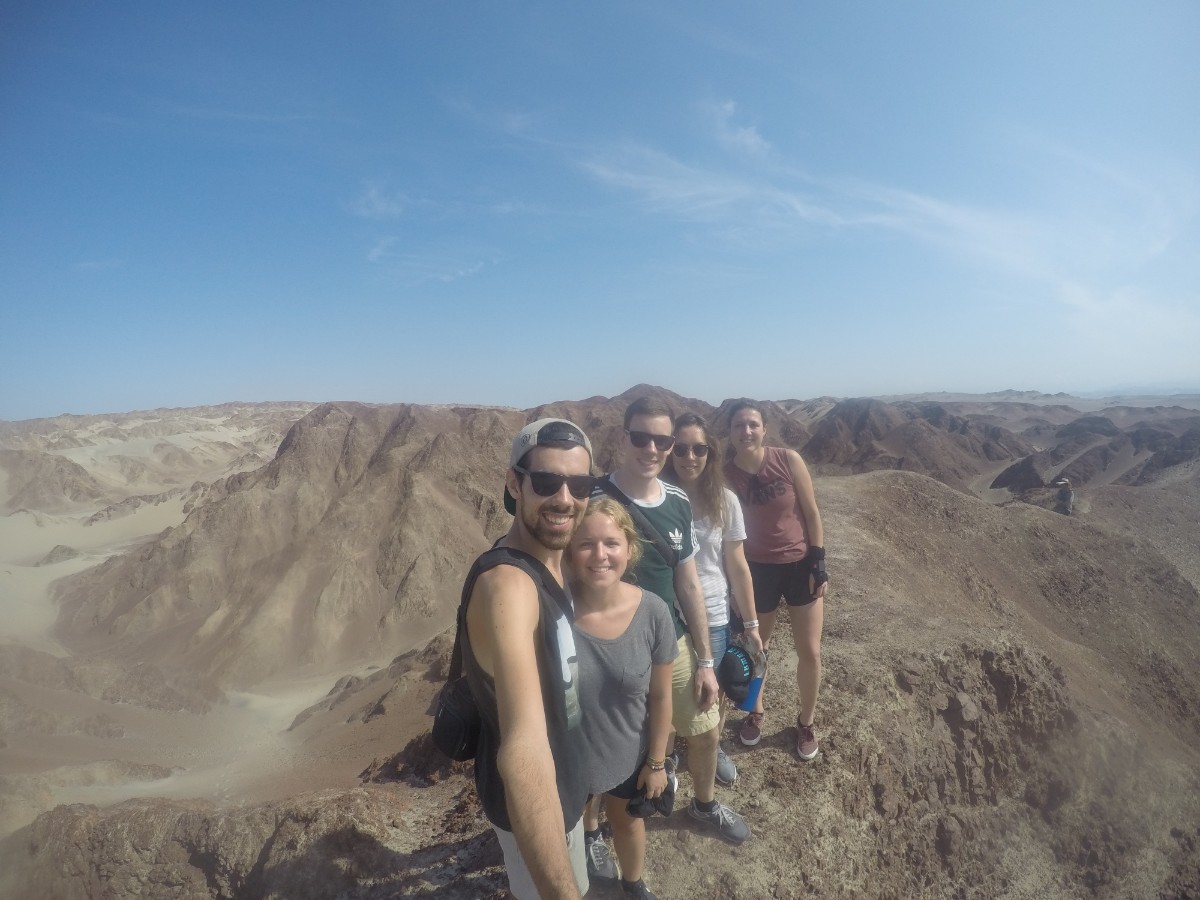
685,715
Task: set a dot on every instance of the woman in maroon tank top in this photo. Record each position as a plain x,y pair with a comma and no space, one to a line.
785,548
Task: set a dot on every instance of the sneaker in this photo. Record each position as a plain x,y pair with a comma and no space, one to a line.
751,731
728,823
806,742
674,763
726,771
638,890
600,865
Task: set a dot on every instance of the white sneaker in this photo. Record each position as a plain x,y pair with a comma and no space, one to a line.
727,772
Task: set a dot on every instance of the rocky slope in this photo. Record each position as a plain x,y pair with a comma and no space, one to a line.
340,547
1009,707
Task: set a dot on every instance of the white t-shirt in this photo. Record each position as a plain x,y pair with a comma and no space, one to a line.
710,559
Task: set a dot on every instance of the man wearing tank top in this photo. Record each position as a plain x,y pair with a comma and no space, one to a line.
519,657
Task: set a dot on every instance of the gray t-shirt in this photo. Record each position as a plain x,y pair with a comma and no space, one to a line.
614,687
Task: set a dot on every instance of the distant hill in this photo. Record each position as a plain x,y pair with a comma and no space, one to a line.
1082,403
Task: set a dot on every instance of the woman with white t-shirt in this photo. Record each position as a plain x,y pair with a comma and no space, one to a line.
720,563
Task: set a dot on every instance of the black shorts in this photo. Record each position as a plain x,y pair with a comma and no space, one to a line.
628,788
775,581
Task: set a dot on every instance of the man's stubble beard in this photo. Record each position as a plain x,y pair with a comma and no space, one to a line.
552,540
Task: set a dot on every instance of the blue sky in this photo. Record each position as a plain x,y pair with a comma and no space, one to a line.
519,203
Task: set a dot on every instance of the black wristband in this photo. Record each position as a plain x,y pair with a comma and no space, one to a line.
820,576
815,553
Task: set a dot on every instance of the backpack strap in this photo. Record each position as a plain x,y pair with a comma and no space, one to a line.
499,556
456,657
665,550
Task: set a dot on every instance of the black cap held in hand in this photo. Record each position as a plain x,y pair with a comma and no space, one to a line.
735,673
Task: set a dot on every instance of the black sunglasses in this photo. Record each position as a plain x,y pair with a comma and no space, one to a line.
547,484
697,450
640,439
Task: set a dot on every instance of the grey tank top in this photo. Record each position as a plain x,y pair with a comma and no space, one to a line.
558,667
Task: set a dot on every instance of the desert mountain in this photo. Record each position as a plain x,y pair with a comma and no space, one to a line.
865,435
1010,706
1094,450
339,548
47,482
65,463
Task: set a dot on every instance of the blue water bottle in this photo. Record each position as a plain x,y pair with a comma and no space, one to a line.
752,695
740,675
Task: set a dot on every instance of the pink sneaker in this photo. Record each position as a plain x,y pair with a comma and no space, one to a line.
751,731
806,742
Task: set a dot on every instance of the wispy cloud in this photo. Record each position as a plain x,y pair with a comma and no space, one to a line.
376,201
667,184
412,268
782,199
672,187
1154,195
741,139
1119,218
382,249
519,123
1004,239
1091,247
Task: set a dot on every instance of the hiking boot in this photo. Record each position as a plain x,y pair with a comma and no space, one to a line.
806,742
726,770
637,889
727,823
751,731
600,865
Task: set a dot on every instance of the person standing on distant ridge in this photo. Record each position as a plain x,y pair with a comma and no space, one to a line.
1066,496
519,659
663,516
785,547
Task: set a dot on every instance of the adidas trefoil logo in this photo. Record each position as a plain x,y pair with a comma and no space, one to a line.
676,538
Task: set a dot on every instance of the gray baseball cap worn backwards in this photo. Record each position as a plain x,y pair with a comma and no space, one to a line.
557,433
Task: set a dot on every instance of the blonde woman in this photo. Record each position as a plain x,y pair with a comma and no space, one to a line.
625,642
